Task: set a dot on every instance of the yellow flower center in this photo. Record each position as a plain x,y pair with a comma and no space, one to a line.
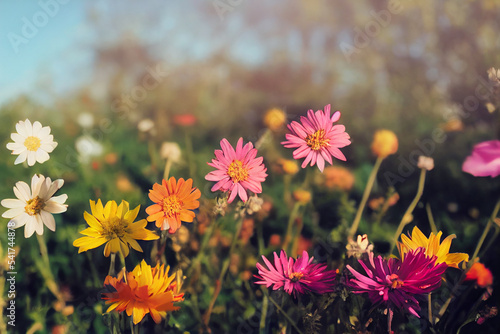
114,227
295,276
34,206
32,143
317,140
396,282
172,206
237,172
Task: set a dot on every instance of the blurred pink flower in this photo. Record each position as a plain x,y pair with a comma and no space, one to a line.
237,171
296,276
316,138
484,160
396,283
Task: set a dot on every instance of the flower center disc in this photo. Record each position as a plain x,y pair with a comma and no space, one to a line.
237,172
34,206
172,206
32,143
317,140
396,282
295,276
114,227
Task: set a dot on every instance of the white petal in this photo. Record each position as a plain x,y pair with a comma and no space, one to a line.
44,132
39,225
28,127
37,126
55,186
16,148
36,184
21,158
21,129
31,158
21,220
48,147
44,188
13,203
29,228
17,138
54,207
22,191
48,220
12,213
42,156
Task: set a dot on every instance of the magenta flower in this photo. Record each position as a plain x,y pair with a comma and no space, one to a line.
395,283
297,276
316,138
237,171
484,160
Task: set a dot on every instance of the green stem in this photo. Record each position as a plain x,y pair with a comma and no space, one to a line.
429,300
225,267
364,199
189,156
485,232
263,315
43,249
490,243
291,220
112,258
287,194
285,314
406,217
432,223
166,172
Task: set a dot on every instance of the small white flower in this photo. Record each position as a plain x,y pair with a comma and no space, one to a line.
88,147
494,76
170,150
425,163
146,125
359,247
31,142
85,120
34,207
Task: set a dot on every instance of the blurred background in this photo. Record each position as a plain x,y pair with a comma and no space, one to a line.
201,71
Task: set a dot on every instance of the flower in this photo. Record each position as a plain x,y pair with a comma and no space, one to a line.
296,276
359,247
31,142
289,167
494,76
338,177
114,226
174,203
185,120
144,290
171,150
384,143
478,272
85,120
302,196
484,160
274,119
34,207
432,246
237,171
87,147
397,284
425,163
146,125
316,138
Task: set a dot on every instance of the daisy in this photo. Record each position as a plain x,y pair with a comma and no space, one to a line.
316,138
484,160
397,284
296,276
144,290
433,247
114,226
34,207
237,170
174,203
31,142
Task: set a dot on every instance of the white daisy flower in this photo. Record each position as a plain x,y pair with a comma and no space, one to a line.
34,207
31,142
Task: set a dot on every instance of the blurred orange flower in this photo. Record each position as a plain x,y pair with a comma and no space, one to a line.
274,119
302,196
275,240
384,143
144,290
478,272
338,178
174,203
185,119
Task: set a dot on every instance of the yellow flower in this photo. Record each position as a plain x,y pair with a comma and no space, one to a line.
274,119
144,290
289,166
433,247
302,196
384,143
114,226
338,177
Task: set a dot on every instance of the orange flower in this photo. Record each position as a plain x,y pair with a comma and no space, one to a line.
145,290
174,202
384,143
338,177
185,119
478,272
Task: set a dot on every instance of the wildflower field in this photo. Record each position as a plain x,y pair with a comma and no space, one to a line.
351,189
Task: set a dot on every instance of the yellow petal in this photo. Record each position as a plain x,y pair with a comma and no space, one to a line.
110,209
86,243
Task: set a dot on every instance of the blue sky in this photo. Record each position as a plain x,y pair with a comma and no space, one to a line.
43,57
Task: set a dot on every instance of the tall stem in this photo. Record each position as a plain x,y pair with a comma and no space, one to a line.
486,230
285,314
364,199
291,219
432,223
112,260
166,172
406,217
225,267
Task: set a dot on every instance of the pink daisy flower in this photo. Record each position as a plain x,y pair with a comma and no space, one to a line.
316,138
237,171
397,284
296,276
484,160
